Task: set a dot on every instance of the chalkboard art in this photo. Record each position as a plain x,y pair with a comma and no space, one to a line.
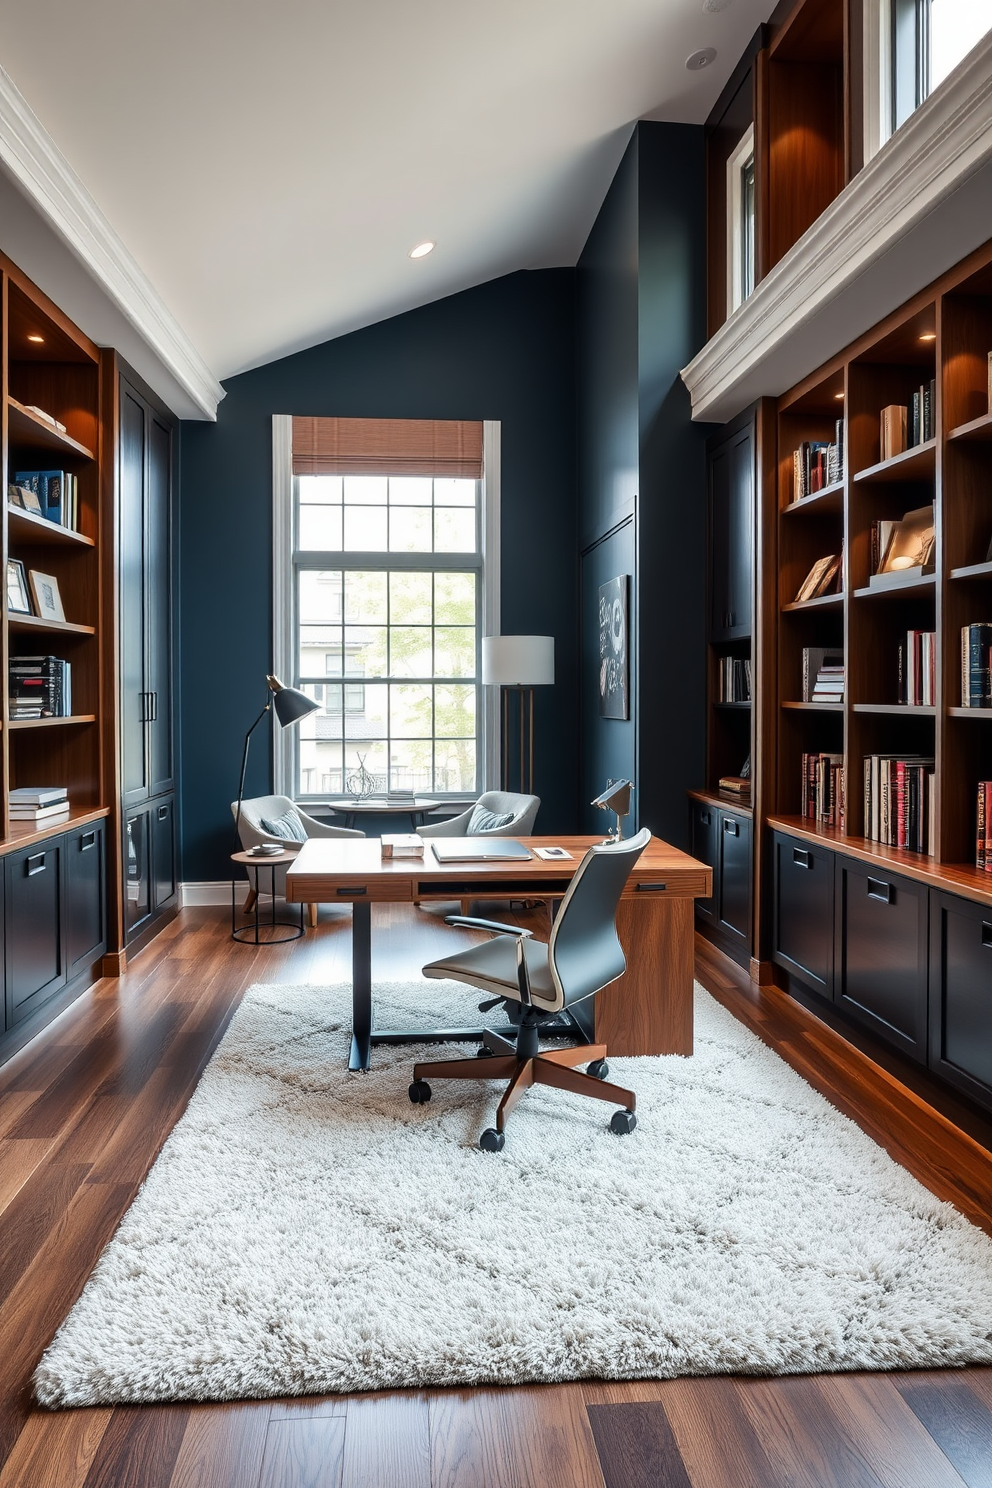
613,695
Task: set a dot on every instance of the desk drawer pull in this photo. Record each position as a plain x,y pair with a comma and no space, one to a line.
36,864
800,856
350,892
650,888
878,889
986,934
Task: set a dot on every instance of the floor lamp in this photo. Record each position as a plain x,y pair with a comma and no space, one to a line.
518,664
289,706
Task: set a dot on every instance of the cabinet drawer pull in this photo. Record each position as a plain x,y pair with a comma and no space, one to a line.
705,818
650,888
163,812
351,892
86,841
986,934
36,864
729,825
800,856
878,889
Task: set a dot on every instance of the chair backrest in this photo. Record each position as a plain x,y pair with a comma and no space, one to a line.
251,830
584,951
524,810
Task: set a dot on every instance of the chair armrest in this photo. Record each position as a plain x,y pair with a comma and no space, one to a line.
317,828
492,925
455,826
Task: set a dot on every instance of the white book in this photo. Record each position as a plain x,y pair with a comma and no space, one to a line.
37,795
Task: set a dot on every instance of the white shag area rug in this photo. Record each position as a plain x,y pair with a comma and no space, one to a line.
307,1230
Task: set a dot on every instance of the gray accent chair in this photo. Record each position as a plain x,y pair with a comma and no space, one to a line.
539,985
524,810
252,833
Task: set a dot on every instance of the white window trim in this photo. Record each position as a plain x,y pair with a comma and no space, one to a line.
877,76
735,240
284,597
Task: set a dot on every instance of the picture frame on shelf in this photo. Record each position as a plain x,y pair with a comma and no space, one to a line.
47,599
910,544
18,599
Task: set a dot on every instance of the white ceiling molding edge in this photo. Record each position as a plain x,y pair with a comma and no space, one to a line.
935,153
34,161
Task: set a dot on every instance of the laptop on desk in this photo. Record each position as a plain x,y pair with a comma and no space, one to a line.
479,850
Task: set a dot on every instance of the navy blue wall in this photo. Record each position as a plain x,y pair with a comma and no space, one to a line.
503,351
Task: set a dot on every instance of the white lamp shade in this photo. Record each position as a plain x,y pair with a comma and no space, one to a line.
518,661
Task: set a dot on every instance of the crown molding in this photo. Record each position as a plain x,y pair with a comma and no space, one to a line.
35,163
936,152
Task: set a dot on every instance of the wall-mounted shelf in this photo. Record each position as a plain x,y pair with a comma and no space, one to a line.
55,627
977,429
26,428
972,571
814,707
26,527
830,499
41,723
985,713
916,464
908,710
921,583
824,602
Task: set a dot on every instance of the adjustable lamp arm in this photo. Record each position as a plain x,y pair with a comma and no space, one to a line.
244,771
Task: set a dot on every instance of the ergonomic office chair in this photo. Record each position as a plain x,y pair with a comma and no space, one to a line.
582,957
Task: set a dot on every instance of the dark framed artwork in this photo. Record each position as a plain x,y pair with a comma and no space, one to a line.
614,699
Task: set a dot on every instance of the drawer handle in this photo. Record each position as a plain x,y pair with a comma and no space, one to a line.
986,934
734,828
163,812
705,818
86,841
650,888
350,892
800,856
877,889
36,864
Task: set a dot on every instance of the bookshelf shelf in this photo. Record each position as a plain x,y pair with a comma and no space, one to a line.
40,532
972,571
26,429
54,627
830,499
916,464
814,707
40,723
985,713
921,584
824,602
731,705
978,430
909,710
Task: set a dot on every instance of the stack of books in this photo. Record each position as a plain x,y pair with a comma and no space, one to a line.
829,685
39,803
817,463
917,674
899,801
52,493
39,687
983,850
823,788
817,659
734,680
976,665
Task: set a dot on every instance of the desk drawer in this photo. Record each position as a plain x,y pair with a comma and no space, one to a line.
342,889
682,883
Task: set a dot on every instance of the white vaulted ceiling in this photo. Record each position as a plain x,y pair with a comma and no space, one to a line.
268,166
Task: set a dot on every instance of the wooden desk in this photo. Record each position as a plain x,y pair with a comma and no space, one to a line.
648,1011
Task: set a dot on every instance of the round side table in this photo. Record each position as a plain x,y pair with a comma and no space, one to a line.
250,933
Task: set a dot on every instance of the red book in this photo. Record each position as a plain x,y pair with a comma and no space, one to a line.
901,840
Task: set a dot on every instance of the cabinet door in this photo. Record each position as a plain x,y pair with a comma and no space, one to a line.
134,703
85,916
735,876
163,853
881,953
137,873
34,938
803,912
702,833
158,599
961,993
731,507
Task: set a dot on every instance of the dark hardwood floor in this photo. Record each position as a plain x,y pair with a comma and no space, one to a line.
85,1108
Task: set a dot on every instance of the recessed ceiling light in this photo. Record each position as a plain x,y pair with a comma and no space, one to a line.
40,339
713,7
422,250
929,336
700,59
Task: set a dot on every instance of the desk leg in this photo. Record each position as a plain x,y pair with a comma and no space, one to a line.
649,1010
361,986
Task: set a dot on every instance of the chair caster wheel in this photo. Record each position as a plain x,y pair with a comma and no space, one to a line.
492,1140
623,1123
599,1069
483,1052
420,1092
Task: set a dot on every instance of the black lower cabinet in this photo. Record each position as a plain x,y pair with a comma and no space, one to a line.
85,898
35,962
803,912
722,839
702,839
880,953
149,865
961,993
163,855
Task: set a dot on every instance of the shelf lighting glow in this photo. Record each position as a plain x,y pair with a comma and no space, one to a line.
929,336
39,339
422,250
839,397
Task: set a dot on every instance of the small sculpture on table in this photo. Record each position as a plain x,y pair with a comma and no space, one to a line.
361,785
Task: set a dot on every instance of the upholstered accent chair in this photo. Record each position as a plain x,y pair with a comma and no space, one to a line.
259,816
521,812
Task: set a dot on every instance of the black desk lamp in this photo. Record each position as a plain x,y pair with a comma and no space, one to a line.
290,706
616,797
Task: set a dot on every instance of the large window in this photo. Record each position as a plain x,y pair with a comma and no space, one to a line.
910,47
740,223
387,602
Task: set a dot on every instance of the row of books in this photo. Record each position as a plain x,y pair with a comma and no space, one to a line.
823,578
734,680
900,801
39,687
903,426
976,665
48,493
817,463
823,788
917,669
38,803
983,842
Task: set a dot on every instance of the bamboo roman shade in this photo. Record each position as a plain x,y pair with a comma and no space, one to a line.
358,446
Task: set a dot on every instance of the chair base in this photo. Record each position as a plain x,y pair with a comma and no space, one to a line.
555,1067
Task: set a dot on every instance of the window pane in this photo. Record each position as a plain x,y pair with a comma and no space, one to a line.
454,652
365,490
410,651
454,713
410,529
455,492
365,529
365,650
373,720
320,529
410,598
454,530
410,490
365,598
410,711
323,489
320,597
320,650
454,599
411,765
454,768
955,27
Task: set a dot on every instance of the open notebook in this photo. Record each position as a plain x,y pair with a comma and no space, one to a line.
478,849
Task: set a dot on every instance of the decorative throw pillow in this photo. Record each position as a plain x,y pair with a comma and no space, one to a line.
287,828
482,820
